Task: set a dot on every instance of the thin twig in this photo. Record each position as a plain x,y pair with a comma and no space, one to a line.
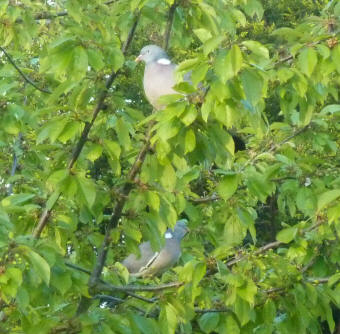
274,147
144,299
261,250
74,266
136,288
27,79
212,310
169,25
49,16
270,245
115,300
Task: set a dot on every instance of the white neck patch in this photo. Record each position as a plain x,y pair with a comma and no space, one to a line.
168,235
164,61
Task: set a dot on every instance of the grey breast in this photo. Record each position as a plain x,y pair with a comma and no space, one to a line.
159,80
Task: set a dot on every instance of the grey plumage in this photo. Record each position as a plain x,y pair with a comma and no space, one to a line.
152,263
159,74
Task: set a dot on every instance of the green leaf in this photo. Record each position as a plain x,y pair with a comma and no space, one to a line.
189,115
40,266
198,74
248,220
61,279
168,319
252,84
123,133
94,152
17,199
257,48
152,200
116,58
51,130
306,201
189,141
87,190
269,311
307,61
248,292
336,57
330,109
70,130
168,178
242,310
227,186
226,67
80,63
145,325
212,43
326,198
202,34
333,279
187,65
112,148
95,59
287,235
209,321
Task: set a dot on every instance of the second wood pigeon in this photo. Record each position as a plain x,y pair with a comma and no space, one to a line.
159,74
152,263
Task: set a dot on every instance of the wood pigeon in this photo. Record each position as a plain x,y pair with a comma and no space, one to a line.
159,74
152,263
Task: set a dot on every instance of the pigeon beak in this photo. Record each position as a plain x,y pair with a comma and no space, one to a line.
138,59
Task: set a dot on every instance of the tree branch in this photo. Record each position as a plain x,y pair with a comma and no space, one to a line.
117,213
84,135
28,80
129,293
169,25
50,16
136,288
115,300
270,245
215,197
212,310
15,162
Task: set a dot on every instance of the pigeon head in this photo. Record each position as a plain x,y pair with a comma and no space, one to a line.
151,53
181,229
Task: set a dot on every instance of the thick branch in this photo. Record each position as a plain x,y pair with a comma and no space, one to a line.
27,79
129,293
117,213
84,135
15,162
169,25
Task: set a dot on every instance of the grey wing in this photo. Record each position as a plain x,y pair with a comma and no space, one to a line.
167,257
159,80
134,263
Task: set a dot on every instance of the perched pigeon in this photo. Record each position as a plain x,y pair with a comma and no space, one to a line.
159,74
152,263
